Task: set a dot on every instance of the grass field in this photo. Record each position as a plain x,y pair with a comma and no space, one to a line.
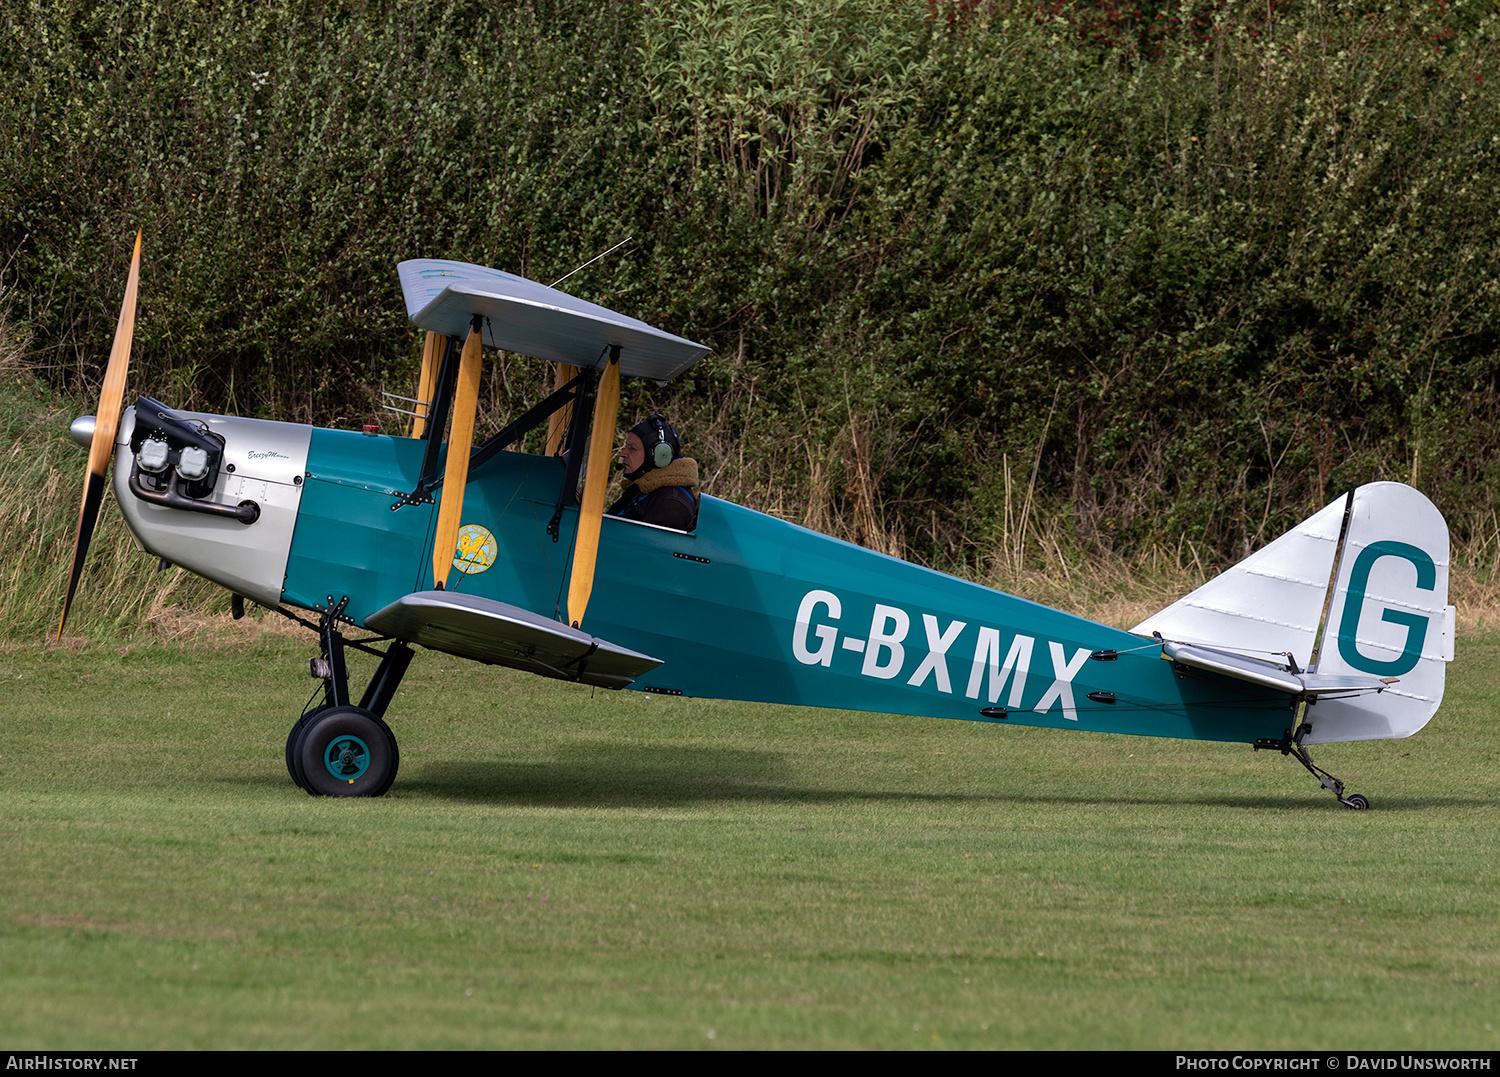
559,868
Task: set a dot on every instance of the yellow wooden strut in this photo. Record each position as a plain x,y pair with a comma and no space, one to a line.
456,473
591,512
432,355
557,424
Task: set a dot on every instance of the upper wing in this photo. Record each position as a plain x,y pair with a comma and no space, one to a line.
523,316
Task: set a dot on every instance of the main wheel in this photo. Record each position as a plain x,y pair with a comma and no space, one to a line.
293,763
1356,802
345,752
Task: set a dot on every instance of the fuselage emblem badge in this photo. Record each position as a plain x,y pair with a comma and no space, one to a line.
476,548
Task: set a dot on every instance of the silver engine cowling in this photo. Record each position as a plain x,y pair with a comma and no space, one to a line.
230,514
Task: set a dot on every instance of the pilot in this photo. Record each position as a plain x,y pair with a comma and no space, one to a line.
661,483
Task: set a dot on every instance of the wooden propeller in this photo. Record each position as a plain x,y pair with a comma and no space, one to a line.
111,396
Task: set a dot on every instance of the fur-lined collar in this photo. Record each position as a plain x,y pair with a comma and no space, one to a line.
680,472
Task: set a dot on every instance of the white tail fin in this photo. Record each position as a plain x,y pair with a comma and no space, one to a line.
1268,604
1385,549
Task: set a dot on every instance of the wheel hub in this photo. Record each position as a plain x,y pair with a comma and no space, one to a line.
347,757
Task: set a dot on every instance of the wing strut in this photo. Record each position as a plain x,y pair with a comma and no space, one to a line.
456,472
432,353
591,512
573,452
557,425
513,431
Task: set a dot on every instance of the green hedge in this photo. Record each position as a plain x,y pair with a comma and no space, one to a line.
1199,266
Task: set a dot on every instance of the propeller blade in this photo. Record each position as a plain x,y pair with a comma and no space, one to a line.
111,396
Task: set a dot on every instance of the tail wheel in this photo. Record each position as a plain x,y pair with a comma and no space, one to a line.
343,752
1356,802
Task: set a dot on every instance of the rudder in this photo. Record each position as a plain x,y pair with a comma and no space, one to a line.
1389,616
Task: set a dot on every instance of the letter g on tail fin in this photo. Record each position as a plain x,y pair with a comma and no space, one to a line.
1389,616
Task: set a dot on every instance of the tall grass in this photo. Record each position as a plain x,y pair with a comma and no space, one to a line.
121,593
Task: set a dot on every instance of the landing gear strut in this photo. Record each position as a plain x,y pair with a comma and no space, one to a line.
337,749
1291,744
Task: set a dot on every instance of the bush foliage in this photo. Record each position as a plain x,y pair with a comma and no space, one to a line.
1192,268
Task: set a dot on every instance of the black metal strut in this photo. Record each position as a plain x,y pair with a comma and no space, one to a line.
334,671
519,428
432,430
1291,744
387,678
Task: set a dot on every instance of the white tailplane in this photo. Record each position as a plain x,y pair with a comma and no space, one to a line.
1383,552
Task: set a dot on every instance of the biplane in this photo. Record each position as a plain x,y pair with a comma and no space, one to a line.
1340,630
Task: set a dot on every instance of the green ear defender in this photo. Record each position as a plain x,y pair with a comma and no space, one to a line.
661,450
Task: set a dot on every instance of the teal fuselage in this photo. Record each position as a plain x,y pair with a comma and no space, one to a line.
750,607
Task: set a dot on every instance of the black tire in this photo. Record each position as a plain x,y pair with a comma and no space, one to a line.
346,752
1356,802
390,777
293,763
